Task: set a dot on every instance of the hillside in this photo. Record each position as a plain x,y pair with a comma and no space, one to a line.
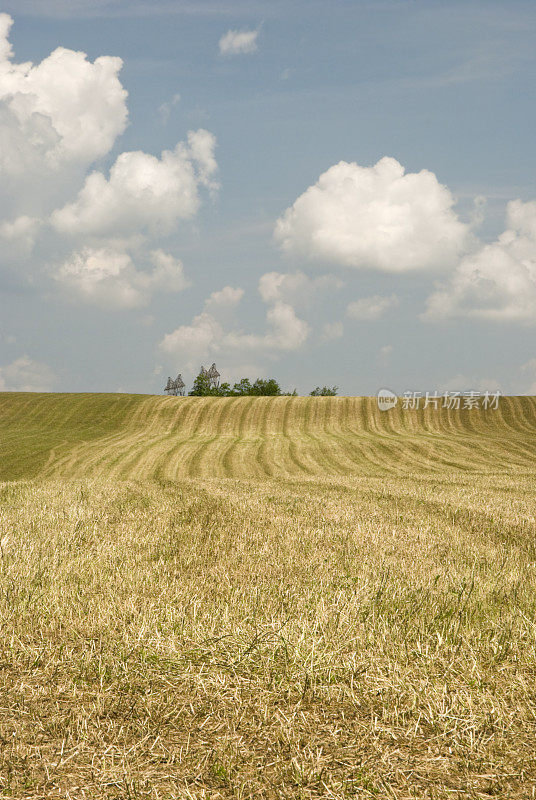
146,437
353,615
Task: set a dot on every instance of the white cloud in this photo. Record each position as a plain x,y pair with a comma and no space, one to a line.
498,281
56,118
18,228
375,217
289,332
207,336
168,272
234,42
142,193
371,307
6,50
193,343
165,109
25,375
201,147
20,234
295,287
226,298
286,331
109,278
64,110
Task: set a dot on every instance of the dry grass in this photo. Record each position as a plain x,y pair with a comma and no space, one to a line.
142,437
293,638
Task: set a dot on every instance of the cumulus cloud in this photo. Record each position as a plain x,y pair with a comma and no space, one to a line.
214,332
295,287
168,272
207,336
226,298
66,109
289,332
195,341
286,331
19,234
56,118
26,375
201,147
234,42
498,281
110,279
375,217
368,308
6,50
142,193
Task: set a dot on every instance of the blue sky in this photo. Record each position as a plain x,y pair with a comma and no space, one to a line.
353,201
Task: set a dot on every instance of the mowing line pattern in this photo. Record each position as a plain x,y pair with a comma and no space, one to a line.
146,437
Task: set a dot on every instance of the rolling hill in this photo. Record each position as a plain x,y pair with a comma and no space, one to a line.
145,437
287,597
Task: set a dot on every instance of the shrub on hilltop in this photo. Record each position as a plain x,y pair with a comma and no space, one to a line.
326,391
243,388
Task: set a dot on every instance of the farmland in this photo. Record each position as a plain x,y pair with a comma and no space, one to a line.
141,437
266,598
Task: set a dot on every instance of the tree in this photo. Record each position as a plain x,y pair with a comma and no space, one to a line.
266,386
326,391
202,387
244,388
241,388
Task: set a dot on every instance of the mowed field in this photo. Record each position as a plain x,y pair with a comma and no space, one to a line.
266,598
144,437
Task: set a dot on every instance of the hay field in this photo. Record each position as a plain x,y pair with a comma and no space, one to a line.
266,598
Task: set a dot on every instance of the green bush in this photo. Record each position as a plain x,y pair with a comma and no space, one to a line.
326,391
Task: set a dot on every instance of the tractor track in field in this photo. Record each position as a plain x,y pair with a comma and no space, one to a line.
144,437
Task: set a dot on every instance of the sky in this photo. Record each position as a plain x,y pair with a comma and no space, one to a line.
324,192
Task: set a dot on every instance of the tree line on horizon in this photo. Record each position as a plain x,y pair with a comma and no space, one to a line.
261,387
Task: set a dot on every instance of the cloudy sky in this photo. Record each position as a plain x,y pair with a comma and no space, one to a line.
324,191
